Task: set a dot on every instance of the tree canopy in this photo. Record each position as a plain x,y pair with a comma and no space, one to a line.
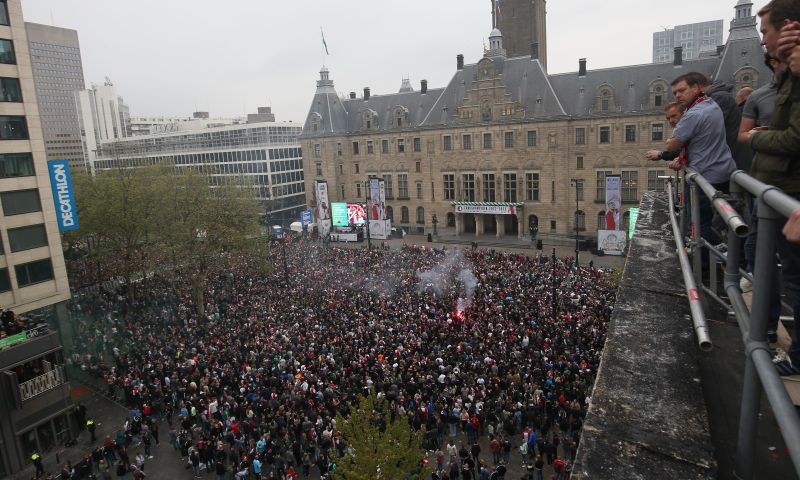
136,222
380,445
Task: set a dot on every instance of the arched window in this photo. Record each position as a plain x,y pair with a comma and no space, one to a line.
451,219
420,215
601,220
389,213
580,220
533,220
626,221
404,215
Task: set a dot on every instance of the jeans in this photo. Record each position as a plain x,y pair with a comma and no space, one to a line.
775,291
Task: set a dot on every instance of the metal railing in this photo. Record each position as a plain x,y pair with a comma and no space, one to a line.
43,383
760,372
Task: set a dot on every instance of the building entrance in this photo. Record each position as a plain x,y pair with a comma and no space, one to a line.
469,222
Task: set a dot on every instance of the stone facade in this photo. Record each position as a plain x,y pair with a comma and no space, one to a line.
504,122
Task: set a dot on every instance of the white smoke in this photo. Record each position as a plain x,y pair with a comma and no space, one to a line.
453,268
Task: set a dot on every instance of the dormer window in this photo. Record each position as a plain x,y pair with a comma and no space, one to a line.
400,117
604,101
369,120
315,121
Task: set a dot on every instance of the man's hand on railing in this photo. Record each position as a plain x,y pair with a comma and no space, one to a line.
653,155
792,227
676,165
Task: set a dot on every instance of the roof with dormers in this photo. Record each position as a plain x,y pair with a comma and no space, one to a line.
538,95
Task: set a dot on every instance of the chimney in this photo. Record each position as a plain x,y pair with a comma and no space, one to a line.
534,50
366,93
460,62
423,87
582,67
678,57
352,95
720,49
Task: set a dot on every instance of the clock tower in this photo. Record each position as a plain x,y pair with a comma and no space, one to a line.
524,27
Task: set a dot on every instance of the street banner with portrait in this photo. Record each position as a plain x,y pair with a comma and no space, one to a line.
613,202
376,208
611,242
323,212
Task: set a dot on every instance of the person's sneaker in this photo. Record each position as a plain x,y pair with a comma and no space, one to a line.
745,285
772,336
779,356
786,368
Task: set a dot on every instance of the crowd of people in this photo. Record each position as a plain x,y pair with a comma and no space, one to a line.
474,345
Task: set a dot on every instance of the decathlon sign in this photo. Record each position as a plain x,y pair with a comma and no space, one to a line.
62,195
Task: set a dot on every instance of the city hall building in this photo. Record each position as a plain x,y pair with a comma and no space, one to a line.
505,145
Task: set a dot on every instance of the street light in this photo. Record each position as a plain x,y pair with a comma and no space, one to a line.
434,221
577,184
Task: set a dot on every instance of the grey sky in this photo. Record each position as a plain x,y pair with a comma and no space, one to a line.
170,57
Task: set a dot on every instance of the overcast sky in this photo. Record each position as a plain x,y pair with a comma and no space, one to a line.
172,57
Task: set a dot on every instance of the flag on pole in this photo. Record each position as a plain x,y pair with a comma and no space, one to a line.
497,8
324,43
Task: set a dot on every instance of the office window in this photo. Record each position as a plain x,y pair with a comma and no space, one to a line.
358,190
487,141
654,183
532,187
466,142
488,187
552,225
417,144
629,185
447,143
26,238
370,147
510,187
13,128
417,167
387,186
420,215
319,169
4,17
9,90
339,149
342,191
579,163
469,187
403,214
34,272
384,146
20,201
658,100
605,135
355,148
317,150
341,169
508,139
402,185
580,136
449,181
401,145
601,185
630,133
531,138
579,189
356,169
658,132
601,220
5,282
419,190
7,51
16,165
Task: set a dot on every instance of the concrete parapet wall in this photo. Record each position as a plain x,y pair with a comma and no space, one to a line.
648,417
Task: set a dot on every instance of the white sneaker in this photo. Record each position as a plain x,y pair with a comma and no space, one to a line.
745,284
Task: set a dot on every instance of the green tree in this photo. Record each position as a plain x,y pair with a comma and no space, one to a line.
378,448
203,228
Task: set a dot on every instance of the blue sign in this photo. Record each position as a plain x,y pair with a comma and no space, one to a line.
306,218
64,199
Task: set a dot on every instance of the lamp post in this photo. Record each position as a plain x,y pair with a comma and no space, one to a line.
576,182
434,221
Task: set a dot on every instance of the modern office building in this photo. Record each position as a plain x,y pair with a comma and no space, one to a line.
57,74
505,145
34,392
103,117
265,156
198,121
696,40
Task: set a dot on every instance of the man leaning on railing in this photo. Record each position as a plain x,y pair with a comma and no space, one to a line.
777,151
